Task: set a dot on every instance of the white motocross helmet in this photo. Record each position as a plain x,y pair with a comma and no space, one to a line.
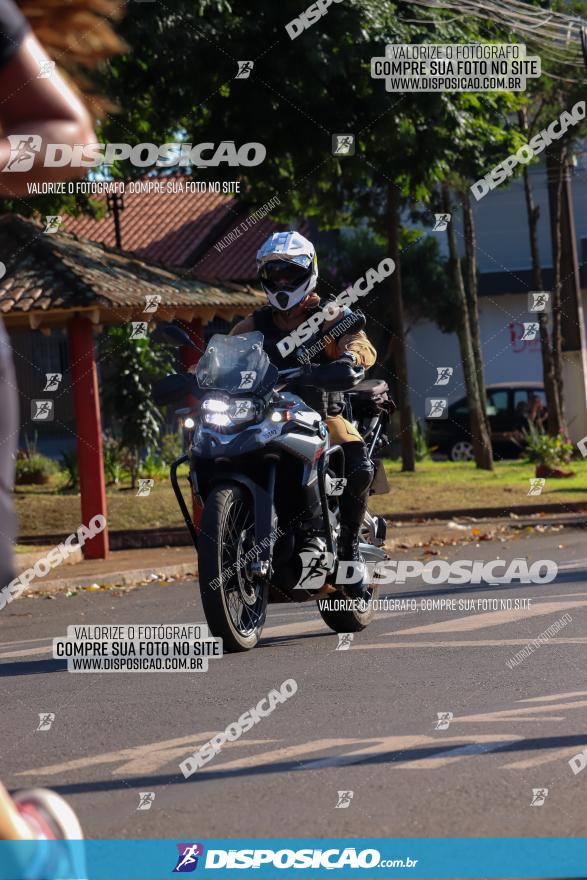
288,269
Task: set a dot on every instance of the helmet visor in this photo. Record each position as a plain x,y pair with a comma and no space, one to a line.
285,275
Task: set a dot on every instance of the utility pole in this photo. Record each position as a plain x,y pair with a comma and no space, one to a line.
115,204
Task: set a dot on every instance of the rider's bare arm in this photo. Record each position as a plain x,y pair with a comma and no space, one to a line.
43,106
247,325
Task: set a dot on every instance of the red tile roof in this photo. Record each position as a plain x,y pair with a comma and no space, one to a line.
162,227
181,229
237,260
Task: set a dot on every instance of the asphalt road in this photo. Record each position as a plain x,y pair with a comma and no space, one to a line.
363,720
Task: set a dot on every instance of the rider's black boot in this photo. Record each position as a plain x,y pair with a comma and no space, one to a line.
355,570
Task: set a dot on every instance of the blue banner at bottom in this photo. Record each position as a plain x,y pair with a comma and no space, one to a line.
512,857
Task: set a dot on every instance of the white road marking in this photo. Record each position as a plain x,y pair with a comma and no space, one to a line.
470,622
138,760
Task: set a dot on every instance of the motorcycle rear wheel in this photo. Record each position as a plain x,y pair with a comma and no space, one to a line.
235,605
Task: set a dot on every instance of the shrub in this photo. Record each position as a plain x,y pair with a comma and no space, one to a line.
171,447
113,460
34,470
421,449
544,449
69,467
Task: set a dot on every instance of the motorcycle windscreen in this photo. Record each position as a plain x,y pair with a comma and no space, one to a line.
233,363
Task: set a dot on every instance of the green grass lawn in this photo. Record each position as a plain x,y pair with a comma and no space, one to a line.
434,486
446,485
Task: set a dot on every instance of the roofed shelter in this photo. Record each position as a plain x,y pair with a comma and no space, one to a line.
56,280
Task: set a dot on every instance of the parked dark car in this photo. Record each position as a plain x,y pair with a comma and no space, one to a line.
508,407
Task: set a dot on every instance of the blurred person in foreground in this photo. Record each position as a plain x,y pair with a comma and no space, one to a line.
39,106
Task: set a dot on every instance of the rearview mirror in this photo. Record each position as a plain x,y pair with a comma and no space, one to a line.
174,388
171,334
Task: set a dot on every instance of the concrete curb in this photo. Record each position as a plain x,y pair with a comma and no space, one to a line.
128,578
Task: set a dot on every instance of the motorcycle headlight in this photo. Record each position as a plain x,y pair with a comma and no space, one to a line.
224,412
242,410
215,412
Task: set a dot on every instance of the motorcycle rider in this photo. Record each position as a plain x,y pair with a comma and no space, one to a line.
288,272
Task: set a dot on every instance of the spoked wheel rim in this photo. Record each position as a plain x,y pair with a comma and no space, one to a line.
462,451
244,597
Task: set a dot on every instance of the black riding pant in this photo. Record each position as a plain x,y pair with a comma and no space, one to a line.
358,470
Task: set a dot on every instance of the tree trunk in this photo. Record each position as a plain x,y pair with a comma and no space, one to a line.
555,417
472,295
396,348
479,434
555,420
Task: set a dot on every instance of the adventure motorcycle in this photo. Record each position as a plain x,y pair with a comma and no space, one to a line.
268,478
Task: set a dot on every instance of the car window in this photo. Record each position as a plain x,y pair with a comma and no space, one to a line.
460,409
521,397
497,402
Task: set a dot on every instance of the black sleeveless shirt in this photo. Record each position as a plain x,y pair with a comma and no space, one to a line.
326,403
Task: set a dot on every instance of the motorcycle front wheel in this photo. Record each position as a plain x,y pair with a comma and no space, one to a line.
235,605
344,616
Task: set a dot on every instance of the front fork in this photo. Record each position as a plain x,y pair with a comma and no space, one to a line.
262,497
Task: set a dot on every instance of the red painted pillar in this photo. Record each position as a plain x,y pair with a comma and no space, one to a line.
190,357
86,399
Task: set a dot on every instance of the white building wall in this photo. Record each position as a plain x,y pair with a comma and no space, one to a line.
506,357
502,246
